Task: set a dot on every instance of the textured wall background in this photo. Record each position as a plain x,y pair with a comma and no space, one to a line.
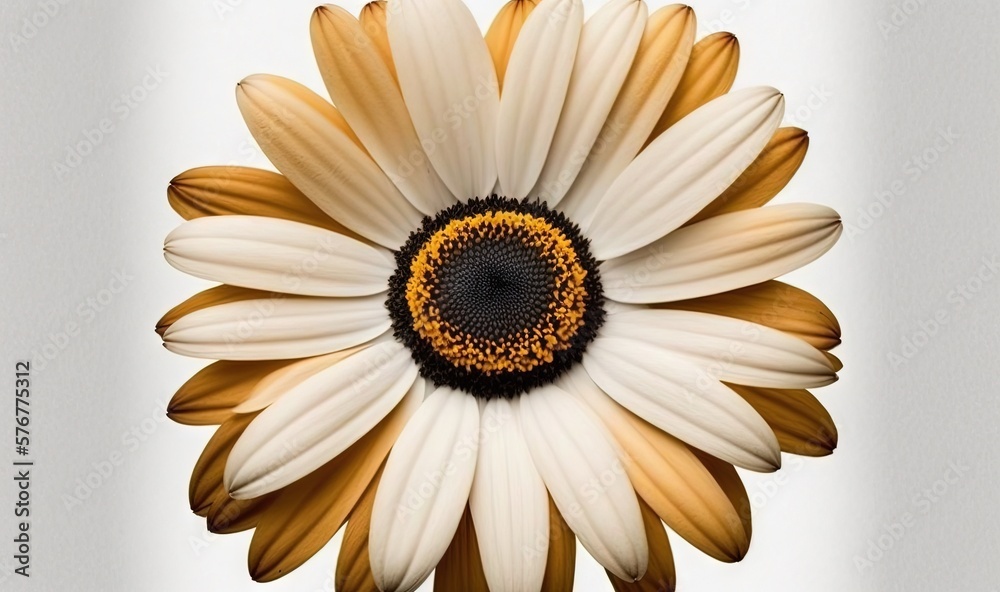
899,99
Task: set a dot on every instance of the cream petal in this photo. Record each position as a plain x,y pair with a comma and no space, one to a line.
424,490
278,328
364,90
683,170
304,136
728,349
723,253
678,397
659,63
580,466
509,504
608,46
279,256
319,419
537,78
305,516
450,85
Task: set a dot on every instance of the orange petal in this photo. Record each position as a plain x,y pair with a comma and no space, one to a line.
504,31
772,304
710,74
674,482
228,515
305,517
235,190
206,479
373,21
729,480
354,569
765,177
660,575
801,423
208,397
461,568
560,565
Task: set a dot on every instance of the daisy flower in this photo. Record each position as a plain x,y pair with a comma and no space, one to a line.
511,293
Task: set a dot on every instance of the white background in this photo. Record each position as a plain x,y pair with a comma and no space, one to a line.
875,83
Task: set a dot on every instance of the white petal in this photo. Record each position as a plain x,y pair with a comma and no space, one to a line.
318,419
679,398
278,328
607,47
365,90
535,89
304,136
509,503
424,490
447,77
728,349
284,380
580,466
723,253
278,255
684,169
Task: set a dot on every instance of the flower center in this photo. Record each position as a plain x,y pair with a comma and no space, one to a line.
496,296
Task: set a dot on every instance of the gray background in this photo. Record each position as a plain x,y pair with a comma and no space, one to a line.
875,83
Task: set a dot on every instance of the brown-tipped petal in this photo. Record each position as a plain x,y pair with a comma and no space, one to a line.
710,74
211,297
801,423
670,478
560,565
657,68
228,515
209,397
729,480
305,516
354,569
236,190
765,177
504,31
373,19
368,96
206,478
660,575
838,365
772,304
309,141
461,568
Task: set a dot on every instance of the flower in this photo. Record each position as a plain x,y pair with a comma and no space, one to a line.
508,294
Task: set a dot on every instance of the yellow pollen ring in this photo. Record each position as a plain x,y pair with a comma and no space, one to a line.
532,346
